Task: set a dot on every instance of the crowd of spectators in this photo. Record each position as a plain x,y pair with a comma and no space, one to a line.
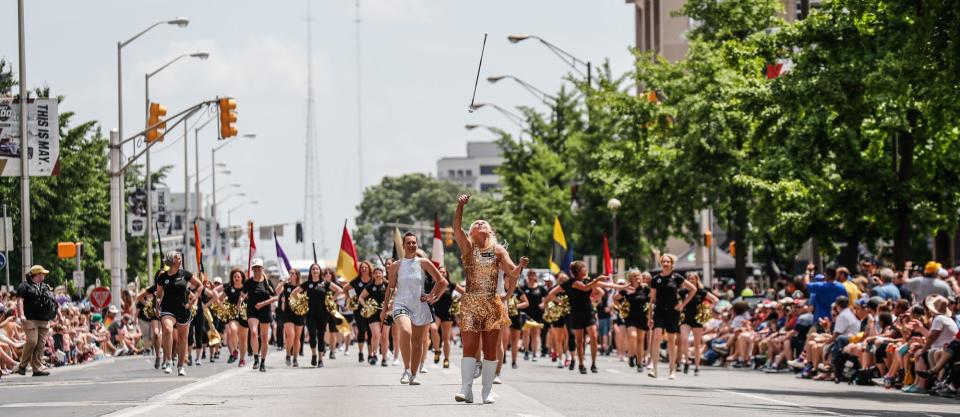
79,333
876,327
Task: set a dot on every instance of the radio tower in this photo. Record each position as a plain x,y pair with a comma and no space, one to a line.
312,202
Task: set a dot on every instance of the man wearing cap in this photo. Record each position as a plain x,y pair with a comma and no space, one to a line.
36,307
929,284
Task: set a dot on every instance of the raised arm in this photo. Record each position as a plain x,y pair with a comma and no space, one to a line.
462,241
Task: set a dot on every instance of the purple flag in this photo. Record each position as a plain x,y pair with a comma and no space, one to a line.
280,253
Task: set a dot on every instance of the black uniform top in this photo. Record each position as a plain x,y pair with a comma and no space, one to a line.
638,302
579,299
602,307
690,310
377,292
316,296
38,301
446,297
358,285
535,296
175,290
667,290
285,295
257,292
233,294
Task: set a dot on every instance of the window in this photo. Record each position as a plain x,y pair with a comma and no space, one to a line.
488,169
459,172
450,173
484,187
469,172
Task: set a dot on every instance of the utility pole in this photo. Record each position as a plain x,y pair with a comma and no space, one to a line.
26,243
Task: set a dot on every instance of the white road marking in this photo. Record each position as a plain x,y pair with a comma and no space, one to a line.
613,371
173,395
781,402
94,382
68,404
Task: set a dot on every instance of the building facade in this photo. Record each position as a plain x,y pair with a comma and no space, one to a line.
477,170
658,30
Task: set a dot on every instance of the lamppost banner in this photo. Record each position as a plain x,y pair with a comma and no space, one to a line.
43,137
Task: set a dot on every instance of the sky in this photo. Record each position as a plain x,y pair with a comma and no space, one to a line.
418,62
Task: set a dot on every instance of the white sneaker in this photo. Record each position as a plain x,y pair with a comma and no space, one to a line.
423,370
496,380
413,380
476,371
181,371
167,368
405,378
673,375
396,360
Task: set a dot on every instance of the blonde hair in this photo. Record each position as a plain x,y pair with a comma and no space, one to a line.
672,257
491,238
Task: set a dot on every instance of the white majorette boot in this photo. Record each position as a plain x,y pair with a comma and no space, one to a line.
466,380
489,373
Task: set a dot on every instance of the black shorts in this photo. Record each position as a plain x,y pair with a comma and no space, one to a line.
637,322
560,323
442,312
332,323
692,322
242,323
534,314
516,322
290,317
182,316
263,315
581,320
668,320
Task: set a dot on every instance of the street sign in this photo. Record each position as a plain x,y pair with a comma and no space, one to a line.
3,261
136,225
43,137
78,280
100,297
6,234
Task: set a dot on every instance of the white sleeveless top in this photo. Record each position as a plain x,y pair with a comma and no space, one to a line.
410,282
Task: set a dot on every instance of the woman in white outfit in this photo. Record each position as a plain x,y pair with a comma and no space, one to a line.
411,312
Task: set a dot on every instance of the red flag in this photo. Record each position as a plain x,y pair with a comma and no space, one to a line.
199,247
437,254
347,259
253,249
774,70
607,262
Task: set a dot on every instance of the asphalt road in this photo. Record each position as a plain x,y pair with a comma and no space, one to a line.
130,386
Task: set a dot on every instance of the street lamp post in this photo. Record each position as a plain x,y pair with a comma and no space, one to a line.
26,244
564,55
540,94
115,283
513,117
614,204
146,84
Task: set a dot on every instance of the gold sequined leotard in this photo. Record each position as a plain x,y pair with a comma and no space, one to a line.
480,308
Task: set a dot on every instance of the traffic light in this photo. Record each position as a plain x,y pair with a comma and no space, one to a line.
708,238
157,113
228,118
733,248
66,250
447,236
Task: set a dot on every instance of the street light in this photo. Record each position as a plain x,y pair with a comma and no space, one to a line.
564,55
614,204
202,55
213,162
542,96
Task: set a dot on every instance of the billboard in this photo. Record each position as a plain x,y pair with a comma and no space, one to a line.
43,139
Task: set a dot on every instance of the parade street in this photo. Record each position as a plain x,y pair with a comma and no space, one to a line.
130,386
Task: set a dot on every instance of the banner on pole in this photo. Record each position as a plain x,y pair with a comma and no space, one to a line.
43,138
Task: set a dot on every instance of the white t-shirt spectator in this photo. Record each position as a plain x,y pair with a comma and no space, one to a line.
948,330
923,287
847,323
739,321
